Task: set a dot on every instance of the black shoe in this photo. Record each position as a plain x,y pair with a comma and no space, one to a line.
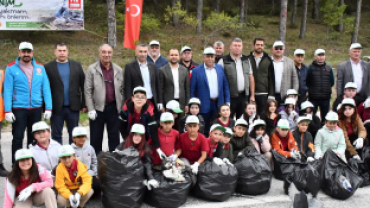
3,171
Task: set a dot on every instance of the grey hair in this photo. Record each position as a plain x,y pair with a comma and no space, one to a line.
142,45
105,44
236,40
218,43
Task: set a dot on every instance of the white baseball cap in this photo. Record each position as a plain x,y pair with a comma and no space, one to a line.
278,43
23,154
303,118
154,42
139,89
299,52
258,122
228,131
355,46
166,116
79,131
138,128
291,92
66,150
185,48
306,104
217,127
241,122
348,101
319,51
209,51
339,105
40,125
174,106
194,101
350,85
192,119
290,101
283,124
332,116
25,45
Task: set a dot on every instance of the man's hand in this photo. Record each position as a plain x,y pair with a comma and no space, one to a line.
84,110
252,98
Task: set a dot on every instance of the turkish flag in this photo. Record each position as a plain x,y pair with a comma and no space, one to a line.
132,23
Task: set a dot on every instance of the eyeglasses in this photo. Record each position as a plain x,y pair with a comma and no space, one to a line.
139,98
279,48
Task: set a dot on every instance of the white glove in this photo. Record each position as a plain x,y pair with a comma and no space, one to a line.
367,103
161,154
10,117
92,115
356,157
25,193
173,157
240,154
218,161
359,143
294,154
47,115
309,116
77,199
317,157
152,184
72,200
252,117
293,113
194,168
310,159
259,139
159,106
227,161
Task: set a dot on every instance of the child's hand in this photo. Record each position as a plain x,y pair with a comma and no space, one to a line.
180,162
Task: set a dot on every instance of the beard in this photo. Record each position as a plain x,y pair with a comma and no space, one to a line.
26,59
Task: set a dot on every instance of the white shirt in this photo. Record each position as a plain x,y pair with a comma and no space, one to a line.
357,74
278,68
257,59
175,75
212,81
146,79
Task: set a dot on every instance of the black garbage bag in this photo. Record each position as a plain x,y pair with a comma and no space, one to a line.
361,169
254,174
169,193
300,200
215,182
305,178
338,179
283,166
121,175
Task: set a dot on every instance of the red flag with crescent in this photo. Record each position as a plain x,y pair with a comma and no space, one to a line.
132,23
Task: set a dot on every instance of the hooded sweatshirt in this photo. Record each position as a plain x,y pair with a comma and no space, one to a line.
87,156
47,158
327,139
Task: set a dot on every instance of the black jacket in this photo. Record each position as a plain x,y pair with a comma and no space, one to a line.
320,79
183,126
241,144
218,153
270,123
76,86
133,78
306,144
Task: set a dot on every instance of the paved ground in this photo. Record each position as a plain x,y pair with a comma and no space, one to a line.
275,198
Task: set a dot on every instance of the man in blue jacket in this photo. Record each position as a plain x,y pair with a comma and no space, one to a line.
26,88
154,54
209,84
301,69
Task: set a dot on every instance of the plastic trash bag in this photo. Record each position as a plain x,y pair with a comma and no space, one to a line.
121,175
361,169
169,193
215,182
254,174
332,172
302,199
305,178
283,166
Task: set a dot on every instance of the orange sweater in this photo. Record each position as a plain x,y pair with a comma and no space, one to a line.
278,146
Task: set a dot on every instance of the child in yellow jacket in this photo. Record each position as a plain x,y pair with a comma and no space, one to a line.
72,180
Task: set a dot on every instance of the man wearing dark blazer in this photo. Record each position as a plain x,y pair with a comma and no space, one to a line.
354,70
67,90
143,73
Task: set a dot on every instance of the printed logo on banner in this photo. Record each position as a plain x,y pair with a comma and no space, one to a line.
74,4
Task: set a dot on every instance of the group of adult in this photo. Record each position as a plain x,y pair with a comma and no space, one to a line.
61,89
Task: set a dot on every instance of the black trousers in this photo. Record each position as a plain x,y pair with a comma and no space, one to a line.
261,101
237,105
278,99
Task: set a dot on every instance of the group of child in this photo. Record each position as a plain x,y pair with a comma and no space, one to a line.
290,131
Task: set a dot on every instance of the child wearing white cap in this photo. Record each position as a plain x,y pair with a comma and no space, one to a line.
214,141
28,184
282,141
194,109
350,91
304,138
291,93
173,106
261,140
315,123
241,141
228,151
289,113
86,154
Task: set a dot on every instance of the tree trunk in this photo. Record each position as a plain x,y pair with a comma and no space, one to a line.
175,17
241,18
304,18
199,16
245,11
357,22
273,6
112,40
218,6
187,6
340,26
156,5
283,19
315,9
294,13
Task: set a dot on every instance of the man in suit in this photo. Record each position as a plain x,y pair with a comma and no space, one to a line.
285,74
143,73
239,75
354,70
174,82
67,79
209,84
104,97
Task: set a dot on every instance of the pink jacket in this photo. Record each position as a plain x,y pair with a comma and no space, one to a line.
46,181
265,145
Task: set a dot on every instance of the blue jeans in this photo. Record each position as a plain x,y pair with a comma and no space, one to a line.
209,117
24,118
109,117
57,122
324,107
